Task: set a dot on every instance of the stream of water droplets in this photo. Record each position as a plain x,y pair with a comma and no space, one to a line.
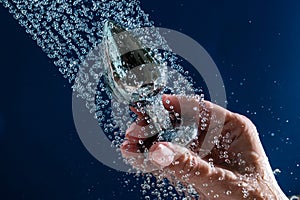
67,31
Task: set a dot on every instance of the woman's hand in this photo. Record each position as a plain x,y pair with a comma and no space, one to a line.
226,161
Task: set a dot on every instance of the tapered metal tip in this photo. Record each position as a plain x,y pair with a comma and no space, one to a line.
130,71
112,27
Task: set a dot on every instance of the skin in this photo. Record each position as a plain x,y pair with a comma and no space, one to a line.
242,172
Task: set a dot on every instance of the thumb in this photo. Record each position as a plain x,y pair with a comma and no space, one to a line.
185,164
169,156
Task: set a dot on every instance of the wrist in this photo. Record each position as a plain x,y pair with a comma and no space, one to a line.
271,190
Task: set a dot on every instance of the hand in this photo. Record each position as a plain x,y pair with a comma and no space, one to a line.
225,161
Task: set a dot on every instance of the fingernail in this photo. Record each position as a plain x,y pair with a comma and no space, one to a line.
162,156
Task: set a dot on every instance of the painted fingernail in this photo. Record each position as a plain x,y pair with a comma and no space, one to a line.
162,156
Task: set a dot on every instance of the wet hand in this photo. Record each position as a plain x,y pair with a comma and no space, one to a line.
225,161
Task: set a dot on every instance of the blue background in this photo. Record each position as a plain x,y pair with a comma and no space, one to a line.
255,44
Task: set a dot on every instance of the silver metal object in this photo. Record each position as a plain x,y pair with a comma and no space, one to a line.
135,77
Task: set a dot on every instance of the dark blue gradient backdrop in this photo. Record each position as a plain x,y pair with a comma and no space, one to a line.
255,44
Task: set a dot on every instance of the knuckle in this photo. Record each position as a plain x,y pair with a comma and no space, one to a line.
247,123
241,122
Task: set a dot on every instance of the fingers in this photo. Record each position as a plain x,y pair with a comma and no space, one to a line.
138,110
193,108
132,154
186,166
142,117
161,155
171,103
130,151
205,116
185,109
137,132
178,159
183,162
